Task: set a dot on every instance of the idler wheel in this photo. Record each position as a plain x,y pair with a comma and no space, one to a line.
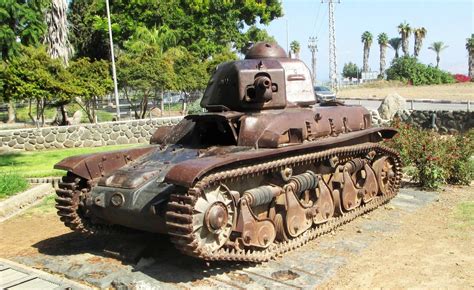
383,168
213,219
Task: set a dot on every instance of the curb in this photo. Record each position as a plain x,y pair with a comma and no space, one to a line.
24,277
54,181
22,201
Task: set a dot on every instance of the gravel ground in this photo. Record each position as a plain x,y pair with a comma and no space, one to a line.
409,242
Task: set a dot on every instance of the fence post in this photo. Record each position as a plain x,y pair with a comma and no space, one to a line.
411,104
468,105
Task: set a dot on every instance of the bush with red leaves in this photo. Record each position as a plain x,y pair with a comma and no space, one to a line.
460,78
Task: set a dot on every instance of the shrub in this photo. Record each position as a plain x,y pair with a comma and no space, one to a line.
460,78
409,70
437,159
11,183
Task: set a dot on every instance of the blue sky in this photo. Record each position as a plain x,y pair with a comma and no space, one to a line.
450,21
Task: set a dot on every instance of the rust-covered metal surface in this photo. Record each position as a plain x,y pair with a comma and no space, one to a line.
263,171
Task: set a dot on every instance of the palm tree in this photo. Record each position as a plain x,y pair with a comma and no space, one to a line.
405,30
437,47
470,50
395,43
58,45
382,40
366,39
56,37
295,48
420,34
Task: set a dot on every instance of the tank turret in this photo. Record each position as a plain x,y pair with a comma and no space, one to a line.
265,79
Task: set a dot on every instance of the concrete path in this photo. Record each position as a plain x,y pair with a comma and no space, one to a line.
150,261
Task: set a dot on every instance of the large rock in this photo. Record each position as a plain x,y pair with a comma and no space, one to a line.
390,105
76,118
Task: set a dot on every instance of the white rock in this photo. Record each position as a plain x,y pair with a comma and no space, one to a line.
76,118
390,105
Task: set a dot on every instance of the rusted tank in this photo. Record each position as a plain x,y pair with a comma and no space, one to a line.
264,170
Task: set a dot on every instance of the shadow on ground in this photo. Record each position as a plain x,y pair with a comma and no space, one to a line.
150,254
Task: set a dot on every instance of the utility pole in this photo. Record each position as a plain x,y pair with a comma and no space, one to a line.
332,45
114,74
313,47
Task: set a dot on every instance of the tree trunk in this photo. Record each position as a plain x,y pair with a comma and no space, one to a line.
416,50
471,63
366,59
396,54
64,121
405,45
437,60
383,50
11,112
162,103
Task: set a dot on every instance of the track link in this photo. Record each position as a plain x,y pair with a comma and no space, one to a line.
70,194
180,208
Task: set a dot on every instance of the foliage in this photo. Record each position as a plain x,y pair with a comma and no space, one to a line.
34,76
382,39
252,36
11,183
395,44
23,20
203,27
93,80
470,43
295,48
460,78
438,47
351,71
408,69
40,164
437,159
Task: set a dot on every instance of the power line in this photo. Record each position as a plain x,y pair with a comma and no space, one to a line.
316,18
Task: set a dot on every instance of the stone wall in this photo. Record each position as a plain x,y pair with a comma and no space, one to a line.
84,135
443,121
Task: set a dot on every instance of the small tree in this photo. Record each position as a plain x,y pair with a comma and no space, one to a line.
438,47
93,79
395,44
295,48
35,77
351,71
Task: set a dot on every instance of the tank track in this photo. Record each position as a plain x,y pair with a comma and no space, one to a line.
70,194
180,207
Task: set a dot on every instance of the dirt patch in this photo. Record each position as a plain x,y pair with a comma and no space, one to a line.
432,249
460,91
18,235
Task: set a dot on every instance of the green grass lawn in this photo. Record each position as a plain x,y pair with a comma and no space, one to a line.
11,183
40,164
